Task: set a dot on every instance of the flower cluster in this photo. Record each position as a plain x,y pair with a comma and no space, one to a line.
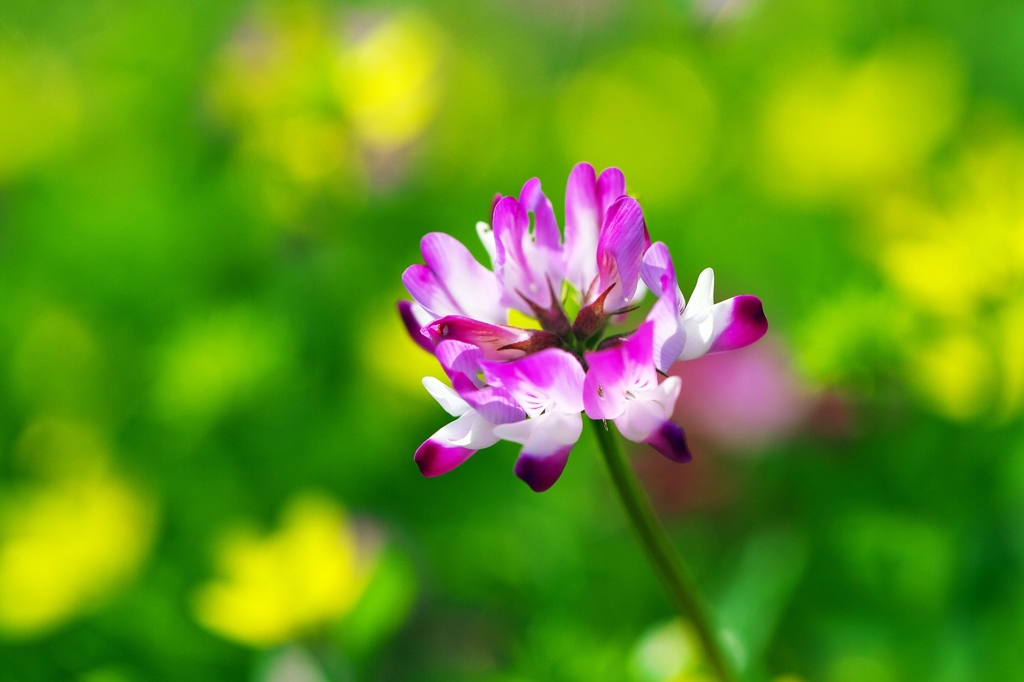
530,385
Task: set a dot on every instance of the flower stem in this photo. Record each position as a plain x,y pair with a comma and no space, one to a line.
666,563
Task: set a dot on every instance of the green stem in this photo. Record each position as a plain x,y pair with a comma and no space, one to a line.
667,564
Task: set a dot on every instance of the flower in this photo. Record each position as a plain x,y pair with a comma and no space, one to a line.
688,331
275,589
529,384
74,537
622,385
478,409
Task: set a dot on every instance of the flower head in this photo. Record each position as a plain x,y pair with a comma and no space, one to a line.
280,587
530,386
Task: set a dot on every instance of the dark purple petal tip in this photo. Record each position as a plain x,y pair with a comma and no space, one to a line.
670,441
435,459
413,327
747,326
541,471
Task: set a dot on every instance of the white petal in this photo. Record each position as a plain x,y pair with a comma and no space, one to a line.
703,296
446,397
697,319
469,431
649,410
543,435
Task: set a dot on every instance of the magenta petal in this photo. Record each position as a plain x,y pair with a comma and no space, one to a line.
424,286
582,208
541,471
489,338
669,335
413,326
583,215
459,357
614,371
435,459
470,286
670,441
620,250
546,379
510,224
744,323
610,186
545,230
493,403
657,262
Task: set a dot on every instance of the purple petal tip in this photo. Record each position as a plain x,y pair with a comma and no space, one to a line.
541,472
747,326
670,441
412,326
435,459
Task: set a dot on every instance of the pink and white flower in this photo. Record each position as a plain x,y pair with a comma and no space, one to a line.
686,331
477,407
531,386
549,387
622,385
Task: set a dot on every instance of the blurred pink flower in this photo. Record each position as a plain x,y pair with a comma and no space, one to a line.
745,400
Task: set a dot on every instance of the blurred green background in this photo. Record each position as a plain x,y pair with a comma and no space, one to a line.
208,407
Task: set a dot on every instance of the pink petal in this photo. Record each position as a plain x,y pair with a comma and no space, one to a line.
657,263
739,322
545,229
493,403
612,373
583,214
659,275
434,458
550,380
414,317
510,223
458,357
547,441
587,200
427,290
620,250
489,338
472,287
454,443
647,411
527,270
610,186
461,362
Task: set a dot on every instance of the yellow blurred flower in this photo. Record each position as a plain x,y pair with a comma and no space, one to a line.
276,588
957,254
311,108
837,130
388,81
955,374
68,543
958,258
951,318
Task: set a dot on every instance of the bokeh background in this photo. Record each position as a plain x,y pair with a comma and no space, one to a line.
208,407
